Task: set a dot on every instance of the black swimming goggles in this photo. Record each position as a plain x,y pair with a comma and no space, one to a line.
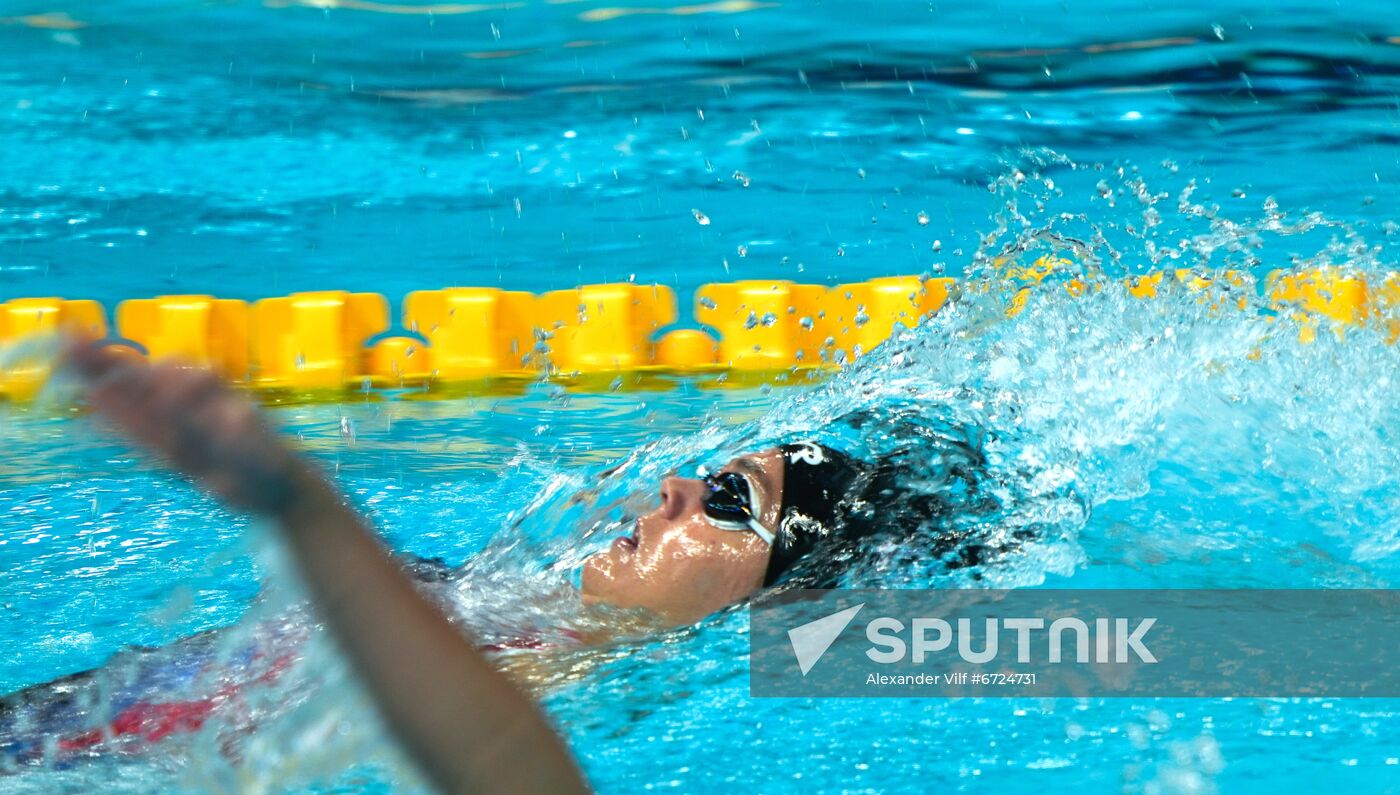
731,503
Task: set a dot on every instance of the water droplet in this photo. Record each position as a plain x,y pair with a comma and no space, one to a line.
347,429
615,385
806,323
860,172
517,208
743,250
1238,193
707,302
922,218
700,218
938,245
861,317
741,178
769,319
751,321
840,252
1218,31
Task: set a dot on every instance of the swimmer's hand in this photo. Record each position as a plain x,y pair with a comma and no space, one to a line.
204,429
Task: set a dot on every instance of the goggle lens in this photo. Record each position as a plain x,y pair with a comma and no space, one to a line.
730,497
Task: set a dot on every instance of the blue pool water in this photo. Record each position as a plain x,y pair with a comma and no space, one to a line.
247,149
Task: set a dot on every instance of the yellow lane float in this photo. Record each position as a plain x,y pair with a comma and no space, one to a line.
603,334
24,317
1319,294
316,340
198,328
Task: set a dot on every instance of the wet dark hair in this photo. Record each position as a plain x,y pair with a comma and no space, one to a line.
839,509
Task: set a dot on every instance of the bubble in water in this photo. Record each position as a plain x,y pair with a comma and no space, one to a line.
922,218
751,321
742,178
743,250
861,317
700,218
769,319
806,323
707,302
937,245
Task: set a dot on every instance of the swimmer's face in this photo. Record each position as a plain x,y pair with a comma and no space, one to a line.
679,566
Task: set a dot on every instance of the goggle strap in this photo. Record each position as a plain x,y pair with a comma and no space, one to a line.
762,532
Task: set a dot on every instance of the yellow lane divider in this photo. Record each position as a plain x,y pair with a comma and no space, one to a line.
329,341
23,317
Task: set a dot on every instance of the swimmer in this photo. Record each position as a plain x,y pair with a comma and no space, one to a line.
790,513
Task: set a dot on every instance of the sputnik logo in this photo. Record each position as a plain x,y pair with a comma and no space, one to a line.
811,640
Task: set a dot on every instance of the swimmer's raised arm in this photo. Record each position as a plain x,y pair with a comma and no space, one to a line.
467,726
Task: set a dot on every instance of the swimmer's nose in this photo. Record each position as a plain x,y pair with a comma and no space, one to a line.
678,495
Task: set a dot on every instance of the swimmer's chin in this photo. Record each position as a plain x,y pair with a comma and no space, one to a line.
603,595
595,577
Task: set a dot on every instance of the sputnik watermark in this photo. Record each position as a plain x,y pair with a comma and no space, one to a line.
885,633
1109,640
1076,643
